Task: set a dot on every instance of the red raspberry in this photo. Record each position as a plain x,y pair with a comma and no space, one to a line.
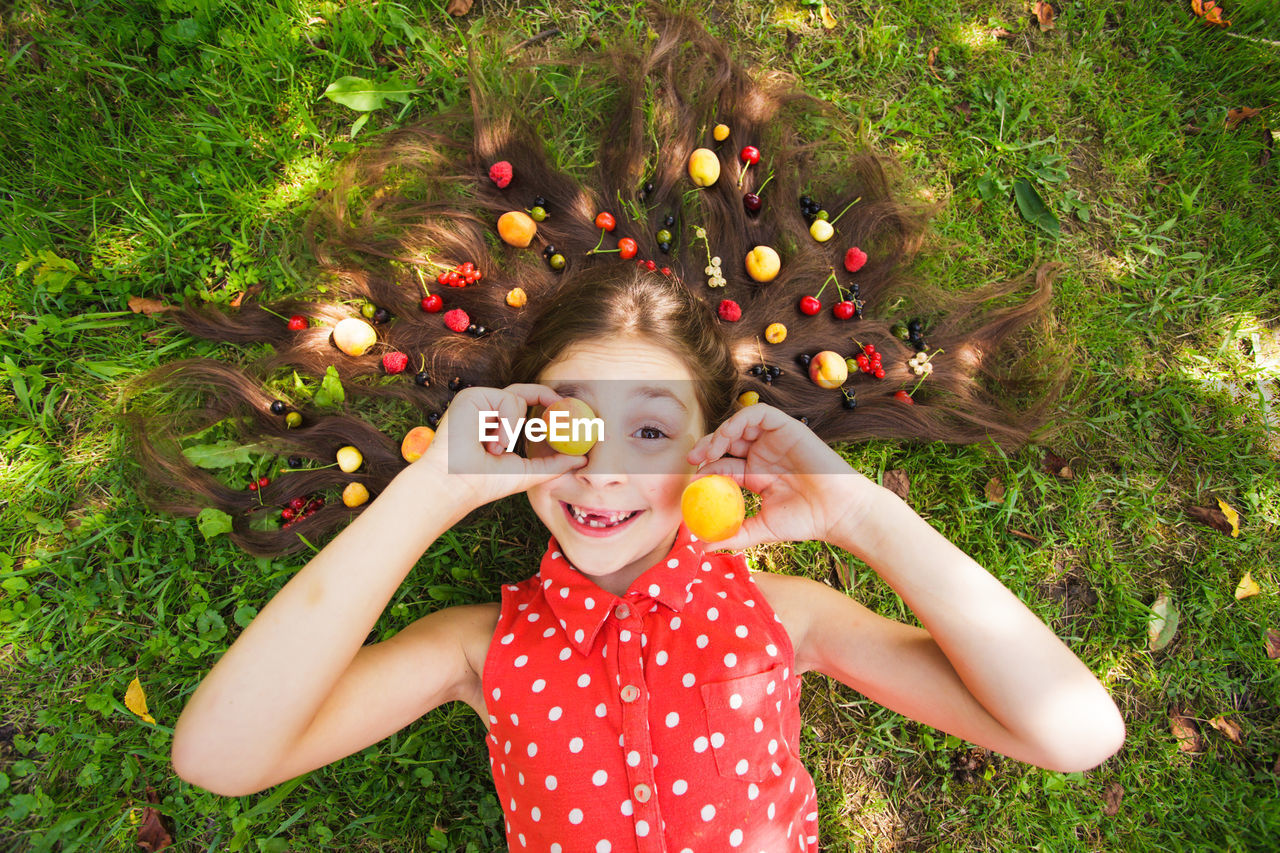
297,323
395,362
729,311
457,320
855,259
501,174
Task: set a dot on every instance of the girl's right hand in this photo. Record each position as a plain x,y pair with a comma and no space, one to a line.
486,471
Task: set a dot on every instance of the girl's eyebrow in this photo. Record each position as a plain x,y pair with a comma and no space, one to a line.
649,392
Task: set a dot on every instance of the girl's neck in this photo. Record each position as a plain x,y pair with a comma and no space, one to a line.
618,582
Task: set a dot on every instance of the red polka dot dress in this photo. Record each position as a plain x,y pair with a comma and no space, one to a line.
664,720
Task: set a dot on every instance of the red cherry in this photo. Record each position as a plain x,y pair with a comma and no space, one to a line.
627,248
605,220
752,203
904,397
263,482
842,310
810,305
432,303
750,154
297,323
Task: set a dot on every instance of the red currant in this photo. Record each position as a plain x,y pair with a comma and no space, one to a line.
810,305
297,504
263,482
286,513
863,363
297,323
879,373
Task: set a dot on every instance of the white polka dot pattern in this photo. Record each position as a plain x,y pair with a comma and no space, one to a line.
690,666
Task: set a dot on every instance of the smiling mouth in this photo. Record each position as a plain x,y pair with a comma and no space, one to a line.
598,518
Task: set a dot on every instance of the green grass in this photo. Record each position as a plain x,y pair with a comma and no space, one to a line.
170,149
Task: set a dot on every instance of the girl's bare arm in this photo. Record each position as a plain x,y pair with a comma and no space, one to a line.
984,667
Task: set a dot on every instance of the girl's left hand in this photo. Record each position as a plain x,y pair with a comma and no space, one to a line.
806,490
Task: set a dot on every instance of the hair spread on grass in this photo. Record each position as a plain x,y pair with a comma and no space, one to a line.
420,201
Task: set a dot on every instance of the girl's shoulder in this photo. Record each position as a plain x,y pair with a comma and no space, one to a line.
792,600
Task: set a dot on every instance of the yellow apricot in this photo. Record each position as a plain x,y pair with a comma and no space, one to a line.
713,507
776,333
516,228
355,494
748,398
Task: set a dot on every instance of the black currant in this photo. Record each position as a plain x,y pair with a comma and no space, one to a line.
481,331
915,328
648,188
664,247
295,461
849,402
804,358
456,384
775,371
433,420
539,201
804,420
278,407
669,220
471,329
381,316
755,370
805,201
422,379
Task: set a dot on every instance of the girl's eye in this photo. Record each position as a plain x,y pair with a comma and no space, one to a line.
651,430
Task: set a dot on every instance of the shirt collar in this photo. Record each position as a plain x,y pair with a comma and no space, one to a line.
583,607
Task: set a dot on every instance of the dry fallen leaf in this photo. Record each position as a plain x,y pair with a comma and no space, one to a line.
152,835
1056,466
1000,33
897,482
1230,728
933,57
237,299
143,305
1247,587
1238,116
1162,624
1211,517
1184,729
136,700
1210,12
828,20
1273,644
994,490
1233,517
1044,15
458,8
1111,798
965,110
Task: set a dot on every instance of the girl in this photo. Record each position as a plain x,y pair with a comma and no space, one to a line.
640,690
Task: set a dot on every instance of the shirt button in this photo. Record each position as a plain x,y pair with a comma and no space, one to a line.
622,611
642,793
630,693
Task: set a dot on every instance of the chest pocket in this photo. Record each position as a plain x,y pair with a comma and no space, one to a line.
744,725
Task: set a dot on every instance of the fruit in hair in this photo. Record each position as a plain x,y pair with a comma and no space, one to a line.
729,311
517,228
380,316
432,303
501,174
775,333
720,133
415,443
578,411
457,320
605,221
293,420
354,336
903,397
821,230
854,259
704,167
297,323
713,507
843,310
749,154
516,297
752,203
422,378
367,310
557,262
827,369
748,398
537,213
278,407
627,248
810,305
663,236
355,494
349,458
763,264
395,362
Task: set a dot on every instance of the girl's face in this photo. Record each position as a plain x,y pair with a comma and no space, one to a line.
651,417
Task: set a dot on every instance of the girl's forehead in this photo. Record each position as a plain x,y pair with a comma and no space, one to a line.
627,358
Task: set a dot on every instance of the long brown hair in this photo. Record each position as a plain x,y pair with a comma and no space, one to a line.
421,201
